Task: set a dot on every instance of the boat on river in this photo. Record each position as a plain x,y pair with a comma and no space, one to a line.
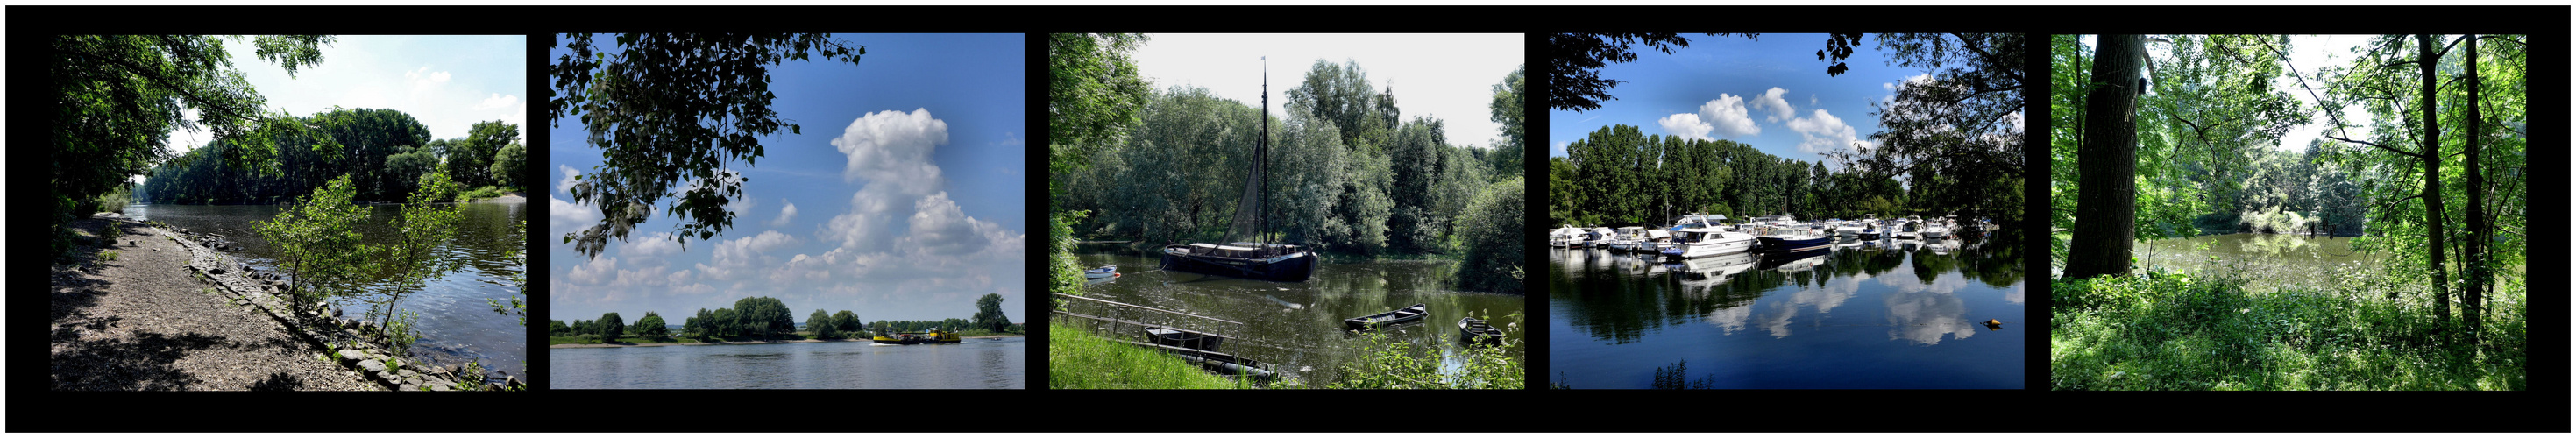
1249,258
1706,240
1414,313
1792,241
1184,338
1475,331
934,336
1100,272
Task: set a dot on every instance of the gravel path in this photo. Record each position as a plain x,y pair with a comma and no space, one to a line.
144,322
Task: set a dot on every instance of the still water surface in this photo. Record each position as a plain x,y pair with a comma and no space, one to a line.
1297,326
2267,261
456,321
998,363
1862,316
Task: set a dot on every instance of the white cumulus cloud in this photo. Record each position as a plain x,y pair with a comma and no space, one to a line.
1685,126
1775,107
1728,115
1823,132
497,100
893,147
785,214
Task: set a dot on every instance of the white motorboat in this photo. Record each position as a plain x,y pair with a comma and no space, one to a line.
1707,240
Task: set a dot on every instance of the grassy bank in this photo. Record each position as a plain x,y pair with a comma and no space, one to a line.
486,192
1078,359
2162,331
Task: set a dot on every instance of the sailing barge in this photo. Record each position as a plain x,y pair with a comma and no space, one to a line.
1247,259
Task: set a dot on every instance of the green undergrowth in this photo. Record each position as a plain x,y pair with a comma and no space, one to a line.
1392,363
2163,331
1078,359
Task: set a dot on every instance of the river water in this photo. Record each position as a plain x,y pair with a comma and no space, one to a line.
2266,261
999,363
1296,326
1862,316
456,321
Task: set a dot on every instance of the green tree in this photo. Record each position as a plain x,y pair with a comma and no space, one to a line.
556,327
1960,127
847,322
1492,234
1509,109
821,325
668,107
725,323
2106,205
610,327
652,326
988,313
509,165
473,157
1093,96
426,223
316,240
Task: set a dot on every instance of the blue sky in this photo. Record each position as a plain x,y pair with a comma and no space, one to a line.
1771,93
903,198
448,82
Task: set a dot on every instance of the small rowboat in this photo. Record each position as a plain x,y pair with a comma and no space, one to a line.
1184,338
1101,272
1476,332
1398,316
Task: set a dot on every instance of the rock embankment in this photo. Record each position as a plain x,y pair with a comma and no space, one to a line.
355,343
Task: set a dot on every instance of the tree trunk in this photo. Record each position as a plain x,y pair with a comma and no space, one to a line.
2106,163
2474,302
2425,60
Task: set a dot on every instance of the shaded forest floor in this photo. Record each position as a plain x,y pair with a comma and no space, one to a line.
128,315
2160,331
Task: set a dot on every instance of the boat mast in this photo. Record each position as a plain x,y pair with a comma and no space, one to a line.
1261,155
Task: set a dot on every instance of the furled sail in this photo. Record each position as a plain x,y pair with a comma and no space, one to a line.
1248,214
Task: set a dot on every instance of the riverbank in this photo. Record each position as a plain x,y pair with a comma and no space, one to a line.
130,315
687,344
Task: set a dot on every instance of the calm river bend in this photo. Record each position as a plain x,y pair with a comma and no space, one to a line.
997,363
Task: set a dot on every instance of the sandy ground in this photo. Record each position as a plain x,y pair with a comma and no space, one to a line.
145,322
667,344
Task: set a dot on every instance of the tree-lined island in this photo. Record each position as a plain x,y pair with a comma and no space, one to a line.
767,320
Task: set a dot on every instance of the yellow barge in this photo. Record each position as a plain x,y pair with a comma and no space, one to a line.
933,337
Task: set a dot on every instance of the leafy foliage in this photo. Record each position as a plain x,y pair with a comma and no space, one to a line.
118,96
1093,97
1575,60
317,242
610,326
669,107
1618,176
1956,136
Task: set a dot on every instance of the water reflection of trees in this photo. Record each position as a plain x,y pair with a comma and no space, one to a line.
1617,300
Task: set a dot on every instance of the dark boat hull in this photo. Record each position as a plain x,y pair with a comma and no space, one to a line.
1778,244
1411,314
1475,331
1294,268
1184,338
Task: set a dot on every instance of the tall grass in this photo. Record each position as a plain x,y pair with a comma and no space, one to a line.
2161,331
1078,359
1392,363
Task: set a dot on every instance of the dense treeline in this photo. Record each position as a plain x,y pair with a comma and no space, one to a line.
768,318
384,151
1618,176
1348,173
